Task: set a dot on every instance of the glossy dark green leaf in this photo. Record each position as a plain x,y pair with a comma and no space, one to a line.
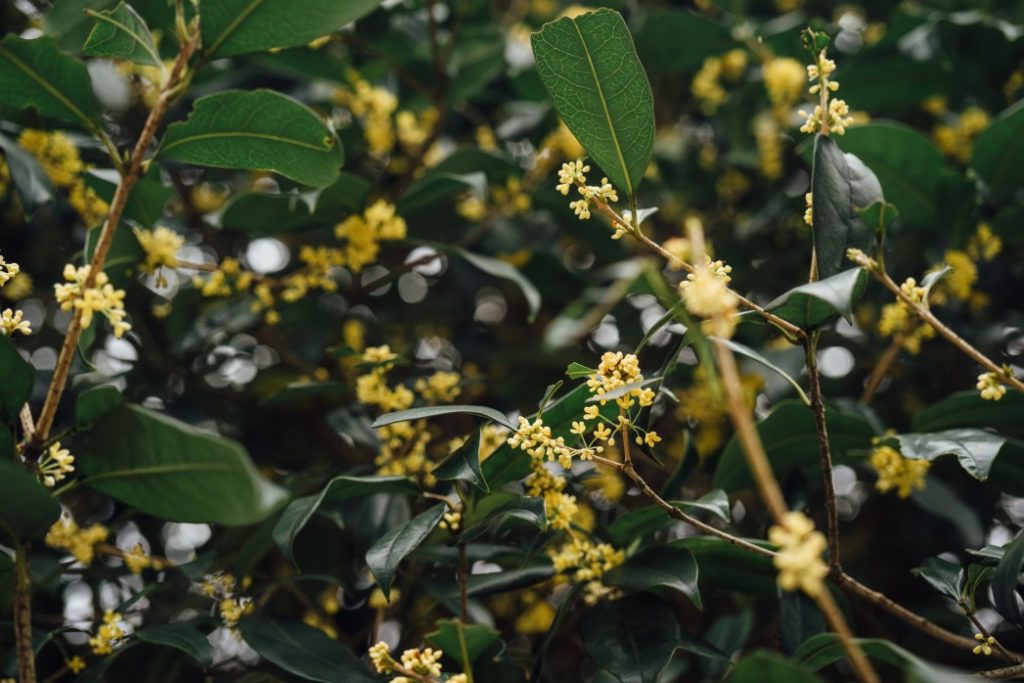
998,153
522,509
256,130
672,41
27,508
632,639
799,618
464,465
433,411
94,403
578,371
181,636
27,175
975,449
825,648
589,66
638,523
174,471
512,579
434,188
755,356
34,73
945,577
389,551
304,651
466,643
969,409
16,380
234,27
879,217
841,185
658,567
791,441
768,667
1006,578
121,33
298,513
812,305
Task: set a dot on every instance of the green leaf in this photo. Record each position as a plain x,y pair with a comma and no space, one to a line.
29,179
298,513
589,66
673,41
433,411
1006,578
258,130
753,355
174,471
235,27
304,651
907,165
124,257
969,409
841,185
94,403
27,508
638,523
16,380
265,213
386,554
632,639
501,582
945,577
466,643
974,448
578,371
434,188
998,153
879,217
768,667
464,465
815,303
799,618
181,636
34,73
145,204
121,33
790,439
526,509
505,271
662,566
825,648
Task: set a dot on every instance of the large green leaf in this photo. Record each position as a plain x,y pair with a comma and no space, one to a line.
258,130
944,576
29,179
16,380
174,471
523,509
466,643
264,213
304,651
298,513
464,465
661,566
841,185
389,551
181,636
632,639
998,154
27,508
121,33
969,409
501,582
790,439
974,448
234,27
671,41
825,648
591,71
1006,578
636,524
433,411
768,667
815,303
34,73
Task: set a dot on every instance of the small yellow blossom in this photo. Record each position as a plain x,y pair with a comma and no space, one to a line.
984,646
100,298
76,665
363,234
12,321
378,601
586,562
896,472
706,86
809,211
784,81
799,555
7,270
56,464
109,635
451,521
984,244
80,542
136,559
990,386
440,387
161,246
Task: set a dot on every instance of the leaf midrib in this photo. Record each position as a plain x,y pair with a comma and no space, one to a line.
159,469
99,16
604,106
244,134
233,26
48,88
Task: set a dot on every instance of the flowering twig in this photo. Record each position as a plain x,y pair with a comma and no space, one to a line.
106,238
818,407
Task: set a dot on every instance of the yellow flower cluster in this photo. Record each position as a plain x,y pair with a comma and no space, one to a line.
137,560
372,387
898,320
374,105
984,646
226,590
532,613
956,138
81,543
59,159
378,601
365,233
451,521
706,292
768,136
707,83
560,508
784,81
799,554
161,247
615,371
416,664
7,270
573,174
56,464
109,635
440,387
832,116
701,404
809,211
535,438
896,472
12,321
586,562
984,244
101,298
990,386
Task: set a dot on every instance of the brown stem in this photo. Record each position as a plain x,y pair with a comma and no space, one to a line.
952,337
106,238
23,618
463,578
818,406
881,369
986,634
838,624
1003,674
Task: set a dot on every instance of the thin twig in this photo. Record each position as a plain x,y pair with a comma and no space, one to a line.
985,633
23,617
1003,674
881,369
818,407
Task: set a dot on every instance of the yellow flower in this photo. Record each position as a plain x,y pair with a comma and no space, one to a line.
100,298
136,559
440,387
378,601
587,562
56,464
76,665
799,555
451,521
809,212
364,233
380,657
984,244
81,543
707,295
537,618
784,81
896,472
109,635
13,321
161,246
984,647
990,386
706,86
960,281
7,270
734,63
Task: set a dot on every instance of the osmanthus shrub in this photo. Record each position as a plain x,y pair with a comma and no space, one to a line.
461,341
